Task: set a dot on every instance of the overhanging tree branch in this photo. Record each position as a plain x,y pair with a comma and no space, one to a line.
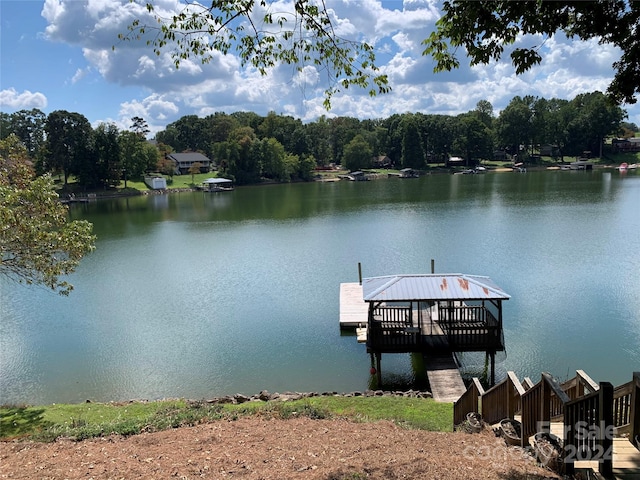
485,28
302,37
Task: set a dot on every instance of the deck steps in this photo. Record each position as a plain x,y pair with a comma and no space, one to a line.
626,458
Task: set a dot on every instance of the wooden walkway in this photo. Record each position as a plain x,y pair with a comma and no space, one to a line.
444,377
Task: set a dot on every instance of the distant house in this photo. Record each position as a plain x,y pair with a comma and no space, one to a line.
184,161
626,144
499,155
381,161
550,150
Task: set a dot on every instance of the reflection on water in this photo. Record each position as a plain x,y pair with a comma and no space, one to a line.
198,294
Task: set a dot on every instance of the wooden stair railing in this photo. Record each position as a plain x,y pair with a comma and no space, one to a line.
502,400
537,407
588,429
634,413
591,414
468,402
626,410
581,384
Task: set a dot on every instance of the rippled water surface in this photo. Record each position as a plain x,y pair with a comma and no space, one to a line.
197,295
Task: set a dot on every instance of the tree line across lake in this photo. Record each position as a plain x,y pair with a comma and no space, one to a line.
249,148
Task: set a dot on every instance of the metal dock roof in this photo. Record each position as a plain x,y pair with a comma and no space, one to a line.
450,286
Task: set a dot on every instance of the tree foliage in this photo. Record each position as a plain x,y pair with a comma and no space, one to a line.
135,159
484,28
357,154
140,127
412,149
38,244
264,35
473,139
250,148
67,145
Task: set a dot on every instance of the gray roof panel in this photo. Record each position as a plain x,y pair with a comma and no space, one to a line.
451,286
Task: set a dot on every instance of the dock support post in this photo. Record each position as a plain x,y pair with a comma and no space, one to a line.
378,370
433,266
360,273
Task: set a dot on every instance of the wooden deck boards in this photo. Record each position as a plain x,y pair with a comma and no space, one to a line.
444,377
353,309
626,458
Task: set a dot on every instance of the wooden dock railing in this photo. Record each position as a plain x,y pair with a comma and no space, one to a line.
389,328
470,326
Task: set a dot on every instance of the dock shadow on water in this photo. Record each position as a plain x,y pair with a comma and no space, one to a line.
401,372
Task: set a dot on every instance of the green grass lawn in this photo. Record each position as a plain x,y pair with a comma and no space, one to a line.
86,420
177,181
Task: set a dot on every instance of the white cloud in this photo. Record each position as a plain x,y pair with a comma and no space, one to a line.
396,28
10,99
155,109
403,41
308,76
80,74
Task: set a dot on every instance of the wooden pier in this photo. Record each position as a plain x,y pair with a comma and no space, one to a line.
353,309
435,315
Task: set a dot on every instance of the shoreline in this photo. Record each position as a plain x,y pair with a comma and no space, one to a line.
99,195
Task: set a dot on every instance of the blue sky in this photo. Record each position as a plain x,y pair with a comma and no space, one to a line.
57,55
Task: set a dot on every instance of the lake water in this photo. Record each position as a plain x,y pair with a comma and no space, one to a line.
198,295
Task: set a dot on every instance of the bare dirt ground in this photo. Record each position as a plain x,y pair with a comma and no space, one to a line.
261,448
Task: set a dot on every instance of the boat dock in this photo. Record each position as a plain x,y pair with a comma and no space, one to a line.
406,329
